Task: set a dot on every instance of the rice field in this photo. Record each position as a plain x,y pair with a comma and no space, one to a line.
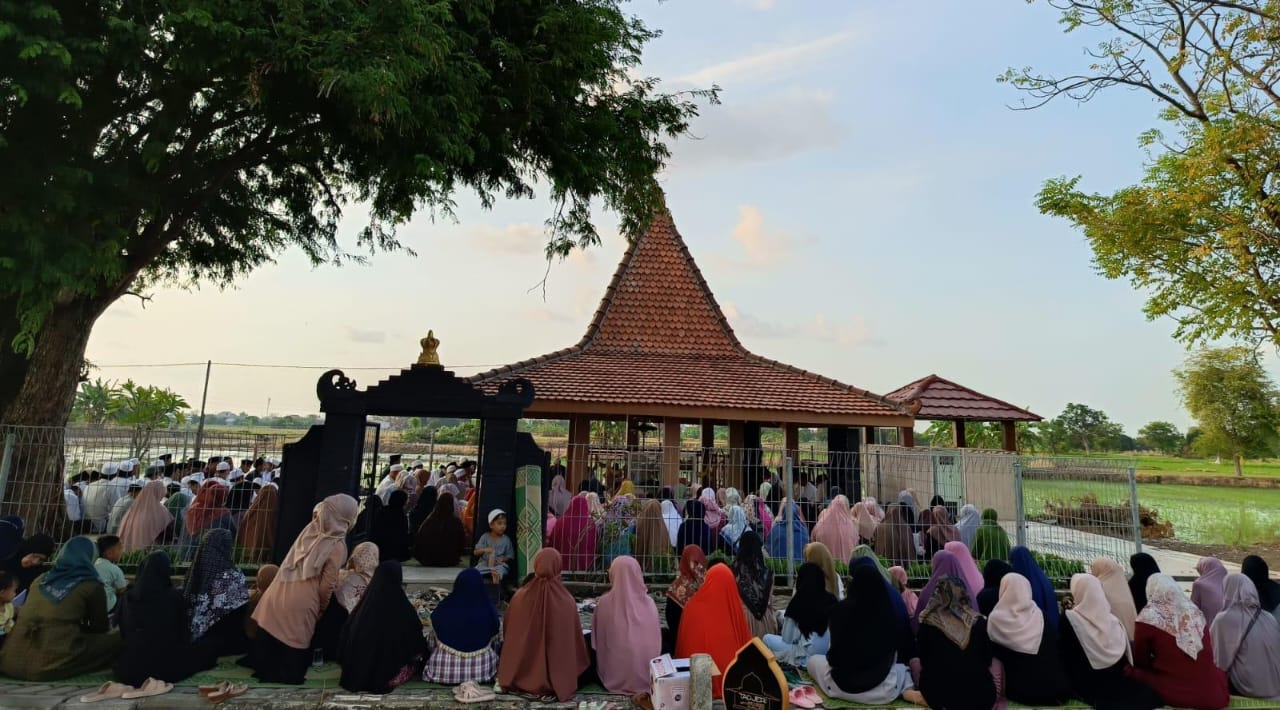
1200,514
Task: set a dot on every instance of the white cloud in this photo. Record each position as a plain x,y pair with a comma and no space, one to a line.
514,239
817,328
770,63
760,246
775,128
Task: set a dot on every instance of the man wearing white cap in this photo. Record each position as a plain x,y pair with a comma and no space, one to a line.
120,484
388,483
96,502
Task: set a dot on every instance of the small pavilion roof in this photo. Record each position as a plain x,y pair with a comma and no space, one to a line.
934,398
660,345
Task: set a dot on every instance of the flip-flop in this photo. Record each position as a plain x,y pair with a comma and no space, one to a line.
231,691
107,691
812,694
800,699
468,693
207,690
148,689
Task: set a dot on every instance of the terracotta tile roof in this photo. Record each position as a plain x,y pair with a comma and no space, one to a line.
660,338
935,398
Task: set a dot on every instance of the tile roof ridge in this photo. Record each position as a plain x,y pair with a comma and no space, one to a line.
881,399
912,393
520,366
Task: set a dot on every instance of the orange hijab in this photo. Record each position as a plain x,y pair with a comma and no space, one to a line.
713,623
542,648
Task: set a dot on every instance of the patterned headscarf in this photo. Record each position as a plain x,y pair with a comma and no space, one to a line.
948,611
214,586
1169,610
693,568
755,579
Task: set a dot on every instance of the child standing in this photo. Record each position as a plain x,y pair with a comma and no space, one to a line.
495,550
109,552
8,591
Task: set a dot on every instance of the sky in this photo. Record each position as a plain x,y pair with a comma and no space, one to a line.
861,203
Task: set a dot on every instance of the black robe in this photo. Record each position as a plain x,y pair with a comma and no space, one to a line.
153,623
382,635
1034,679
391,529
1106,688
956,678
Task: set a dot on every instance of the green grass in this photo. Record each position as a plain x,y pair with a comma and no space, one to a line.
1149,463
1200,514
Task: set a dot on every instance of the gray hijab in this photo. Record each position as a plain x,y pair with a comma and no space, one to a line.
968,524
1250,656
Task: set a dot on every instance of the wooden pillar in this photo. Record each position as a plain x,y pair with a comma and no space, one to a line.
752,457
633,434
791,441
907,436
737,447
844,462
958,428
868,436
670,451
579,446
706,461
1010,435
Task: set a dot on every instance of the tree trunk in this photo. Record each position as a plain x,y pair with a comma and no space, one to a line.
36,395
1239,466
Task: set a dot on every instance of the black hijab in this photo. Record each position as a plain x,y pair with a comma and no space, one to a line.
153,609
391,529
439,542
992,573
864,633
240,496
421,509
382,635
755,579
1144,566
811,602
38,544
1255,568
695,531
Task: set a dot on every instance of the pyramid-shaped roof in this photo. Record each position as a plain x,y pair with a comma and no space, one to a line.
934,398
659,345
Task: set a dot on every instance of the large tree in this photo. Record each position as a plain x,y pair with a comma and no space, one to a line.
1233,400
1201,231
1086,428
1161,436
188,141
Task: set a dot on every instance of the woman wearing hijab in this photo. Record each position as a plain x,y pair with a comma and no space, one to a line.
906,641
362,529
804,623
1246,641
625,631
543,651
860,666
1207,590
381,642
990,542
818,554
62,630
356,576
972,575
941,531
439,542
1172,653
1119,599
240,497
1026,646
967,523
156,633
422,507
671,519
898,574
692,570
865,522
713,623
955,655
147,518
559,496
177,504
391,528
257,533
465,625
261,582
653,544
712,514
945,564
29,561
695,531
788,518
208,511
736,525
927,544
992,574
11,529
1024,563
291,609
755,586
1143,565
1255,568
575,535
216,596
758,508
910,509
837,529
1094,652
894,541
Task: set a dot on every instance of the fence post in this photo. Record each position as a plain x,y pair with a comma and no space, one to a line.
1020,512
1133,509
879,481
791,531
6,463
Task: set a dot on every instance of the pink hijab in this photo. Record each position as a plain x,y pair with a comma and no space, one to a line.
146,518
714,516
972,575
866,522
574,536
625,631
899,576
766,517
837,530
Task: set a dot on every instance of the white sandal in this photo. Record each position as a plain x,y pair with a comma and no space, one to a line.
149,688
107,691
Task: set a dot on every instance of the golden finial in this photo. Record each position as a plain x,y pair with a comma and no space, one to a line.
429,357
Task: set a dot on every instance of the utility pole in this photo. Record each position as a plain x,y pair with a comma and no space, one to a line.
204,398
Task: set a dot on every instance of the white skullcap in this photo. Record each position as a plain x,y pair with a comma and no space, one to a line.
398,468
127,466
236,473
110,468
418,464
495,513
223,466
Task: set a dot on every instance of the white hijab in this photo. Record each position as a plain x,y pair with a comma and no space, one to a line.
1098,630
1016,622
968,524
672,518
